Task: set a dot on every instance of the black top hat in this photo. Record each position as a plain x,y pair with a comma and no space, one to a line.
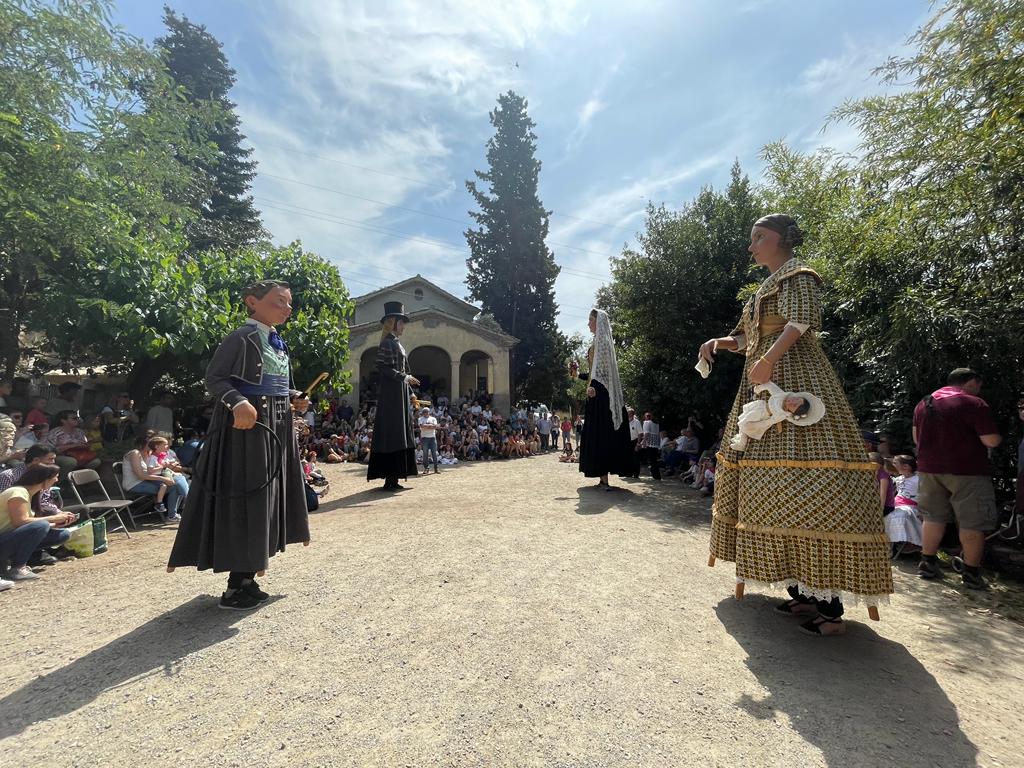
394,309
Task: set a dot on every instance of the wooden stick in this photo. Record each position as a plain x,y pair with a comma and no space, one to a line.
873,613
316,383
711,561
739,590
261,574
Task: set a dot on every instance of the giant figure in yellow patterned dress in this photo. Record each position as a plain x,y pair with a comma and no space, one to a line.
799,507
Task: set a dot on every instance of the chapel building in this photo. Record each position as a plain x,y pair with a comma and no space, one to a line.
450,350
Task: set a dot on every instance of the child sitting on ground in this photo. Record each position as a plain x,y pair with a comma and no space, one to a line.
566,456
800,408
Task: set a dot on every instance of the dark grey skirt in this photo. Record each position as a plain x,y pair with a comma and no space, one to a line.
228,522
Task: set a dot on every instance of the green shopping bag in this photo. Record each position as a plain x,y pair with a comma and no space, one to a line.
99,536
81,542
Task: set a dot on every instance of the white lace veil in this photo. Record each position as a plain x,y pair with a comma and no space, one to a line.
605,368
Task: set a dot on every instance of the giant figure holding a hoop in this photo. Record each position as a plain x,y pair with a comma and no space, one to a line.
248,499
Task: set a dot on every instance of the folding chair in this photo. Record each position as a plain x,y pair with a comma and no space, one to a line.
142,506
106,507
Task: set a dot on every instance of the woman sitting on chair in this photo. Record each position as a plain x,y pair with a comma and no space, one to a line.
139,479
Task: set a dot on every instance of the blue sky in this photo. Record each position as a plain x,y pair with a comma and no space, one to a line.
367,118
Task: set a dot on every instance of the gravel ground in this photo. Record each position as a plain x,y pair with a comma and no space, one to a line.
495,615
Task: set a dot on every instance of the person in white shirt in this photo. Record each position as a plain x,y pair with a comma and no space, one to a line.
650,445
635,427
428,438
544,428
160,417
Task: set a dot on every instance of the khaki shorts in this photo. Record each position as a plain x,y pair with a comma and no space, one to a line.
968,500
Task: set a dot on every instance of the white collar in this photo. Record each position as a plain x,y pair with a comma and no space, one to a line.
262,326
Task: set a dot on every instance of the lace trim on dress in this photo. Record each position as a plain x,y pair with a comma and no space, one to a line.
814,593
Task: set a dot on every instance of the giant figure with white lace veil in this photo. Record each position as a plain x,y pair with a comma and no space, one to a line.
605,447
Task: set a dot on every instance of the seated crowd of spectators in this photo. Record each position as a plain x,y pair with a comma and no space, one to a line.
446,432
43,440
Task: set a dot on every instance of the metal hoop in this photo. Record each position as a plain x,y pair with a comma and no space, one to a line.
274,473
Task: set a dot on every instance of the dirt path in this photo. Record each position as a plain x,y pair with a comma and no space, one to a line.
495,615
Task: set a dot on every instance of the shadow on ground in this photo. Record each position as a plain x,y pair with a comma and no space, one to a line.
156,647
594,500
859,698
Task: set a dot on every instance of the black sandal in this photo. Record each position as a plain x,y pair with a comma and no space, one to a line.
813,627
788,606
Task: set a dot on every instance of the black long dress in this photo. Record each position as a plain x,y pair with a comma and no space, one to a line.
393,448
605,450
248,498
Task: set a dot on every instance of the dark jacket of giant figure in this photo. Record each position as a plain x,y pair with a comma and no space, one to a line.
229,522
393,448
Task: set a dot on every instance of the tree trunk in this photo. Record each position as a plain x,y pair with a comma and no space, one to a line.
145,373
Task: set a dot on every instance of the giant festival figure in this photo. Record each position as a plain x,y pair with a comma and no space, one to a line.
248,500
393,446
605,445
797,507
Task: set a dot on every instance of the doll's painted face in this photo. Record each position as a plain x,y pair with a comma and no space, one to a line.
273,309
795,405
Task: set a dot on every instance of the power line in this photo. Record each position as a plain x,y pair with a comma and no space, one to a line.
461,222
333,219
421,182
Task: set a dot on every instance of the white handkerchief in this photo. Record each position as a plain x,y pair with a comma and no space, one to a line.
703,367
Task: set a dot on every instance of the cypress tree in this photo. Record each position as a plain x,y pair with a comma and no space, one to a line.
227,217
511,270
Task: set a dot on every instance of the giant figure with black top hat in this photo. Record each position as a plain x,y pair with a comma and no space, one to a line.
248,497
393,447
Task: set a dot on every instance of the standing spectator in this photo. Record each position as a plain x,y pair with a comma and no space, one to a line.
566,429
650,450
67,398
160,417
544,429
953,430
577,427
636,427
428,437
72,444
22,534
37,412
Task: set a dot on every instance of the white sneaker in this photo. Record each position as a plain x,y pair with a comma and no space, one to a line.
22,574
5,584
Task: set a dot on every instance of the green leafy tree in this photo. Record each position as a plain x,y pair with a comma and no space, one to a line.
511,270
919,237
171,313
677,290
227,217
84,170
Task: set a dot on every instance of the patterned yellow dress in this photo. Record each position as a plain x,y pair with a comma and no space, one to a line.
799,507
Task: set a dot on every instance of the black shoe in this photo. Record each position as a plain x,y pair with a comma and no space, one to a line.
62,553
974,581
928,570
239,600
253,589
41,558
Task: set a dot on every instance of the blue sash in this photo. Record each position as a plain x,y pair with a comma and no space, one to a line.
269,386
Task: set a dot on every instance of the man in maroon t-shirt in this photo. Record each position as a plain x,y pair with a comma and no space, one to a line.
953,430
